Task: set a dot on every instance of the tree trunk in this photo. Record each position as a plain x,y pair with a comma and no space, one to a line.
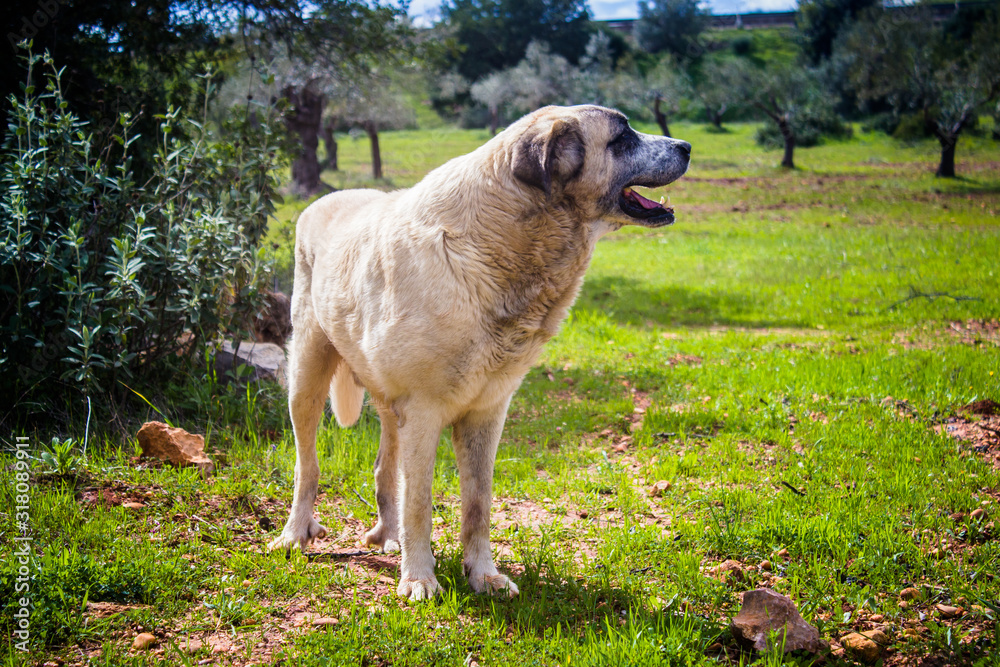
715,116
330,141
947,167
494,119
789,136
947,137
372,131
304,122
661,118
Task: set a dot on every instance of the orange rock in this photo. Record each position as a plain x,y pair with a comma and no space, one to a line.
143,641
174,445
326,621
659,488
947,611
731,571
861,647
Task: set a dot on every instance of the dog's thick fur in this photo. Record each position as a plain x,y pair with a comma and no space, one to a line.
438,299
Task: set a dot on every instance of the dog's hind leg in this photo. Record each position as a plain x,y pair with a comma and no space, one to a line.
417,445
385,534
475,438
312,360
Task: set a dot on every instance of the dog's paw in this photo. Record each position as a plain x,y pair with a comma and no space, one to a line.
495,584
294,536
418,589
380,537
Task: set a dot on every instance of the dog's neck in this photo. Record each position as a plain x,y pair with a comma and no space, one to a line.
524,257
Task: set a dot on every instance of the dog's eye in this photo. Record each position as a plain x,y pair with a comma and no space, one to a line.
624,138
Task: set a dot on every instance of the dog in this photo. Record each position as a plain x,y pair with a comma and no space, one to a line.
438,299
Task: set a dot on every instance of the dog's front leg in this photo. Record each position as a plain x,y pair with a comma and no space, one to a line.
475,437
418,440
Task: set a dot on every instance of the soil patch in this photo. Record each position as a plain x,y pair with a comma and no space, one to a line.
986,407
978,426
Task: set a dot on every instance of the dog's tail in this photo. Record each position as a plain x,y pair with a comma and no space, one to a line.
346,395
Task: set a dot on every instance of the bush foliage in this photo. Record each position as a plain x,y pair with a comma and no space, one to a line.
109,281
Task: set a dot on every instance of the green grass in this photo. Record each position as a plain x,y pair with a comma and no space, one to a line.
769,356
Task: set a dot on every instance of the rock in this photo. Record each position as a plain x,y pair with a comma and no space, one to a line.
274,323
861,647
910,594
326,621
957,516
764,612
731,571
977,514
265,361
947,611
133,506
766,566
783,554
143,641
174,445
659,488
877,635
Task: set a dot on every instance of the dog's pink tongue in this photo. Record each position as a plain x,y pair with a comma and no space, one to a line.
642,201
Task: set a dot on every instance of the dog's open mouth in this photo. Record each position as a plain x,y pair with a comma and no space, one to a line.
646,211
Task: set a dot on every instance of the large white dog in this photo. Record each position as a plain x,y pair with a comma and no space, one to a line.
438,299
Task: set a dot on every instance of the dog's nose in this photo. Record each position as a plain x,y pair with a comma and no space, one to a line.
684,147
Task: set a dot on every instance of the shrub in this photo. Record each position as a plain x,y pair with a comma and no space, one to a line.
107,280
811,125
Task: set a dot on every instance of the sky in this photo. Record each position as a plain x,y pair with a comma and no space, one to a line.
426,11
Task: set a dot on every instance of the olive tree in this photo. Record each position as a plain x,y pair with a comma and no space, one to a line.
904,57
785,94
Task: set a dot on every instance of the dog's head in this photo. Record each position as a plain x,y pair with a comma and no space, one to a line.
589,157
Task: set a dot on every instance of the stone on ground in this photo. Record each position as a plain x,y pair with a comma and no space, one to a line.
764,613
174,445
265,361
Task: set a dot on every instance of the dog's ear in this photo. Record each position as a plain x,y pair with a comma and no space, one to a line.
547,155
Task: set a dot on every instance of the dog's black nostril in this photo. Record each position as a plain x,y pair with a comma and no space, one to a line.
685,148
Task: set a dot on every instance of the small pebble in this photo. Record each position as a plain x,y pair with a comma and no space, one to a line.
766,565
659,488
947,611
143,641
325,622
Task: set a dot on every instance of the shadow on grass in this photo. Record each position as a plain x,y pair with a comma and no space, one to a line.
633,303
590,613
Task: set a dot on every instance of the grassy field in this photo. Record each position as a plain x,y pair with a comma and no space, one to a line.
777,361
